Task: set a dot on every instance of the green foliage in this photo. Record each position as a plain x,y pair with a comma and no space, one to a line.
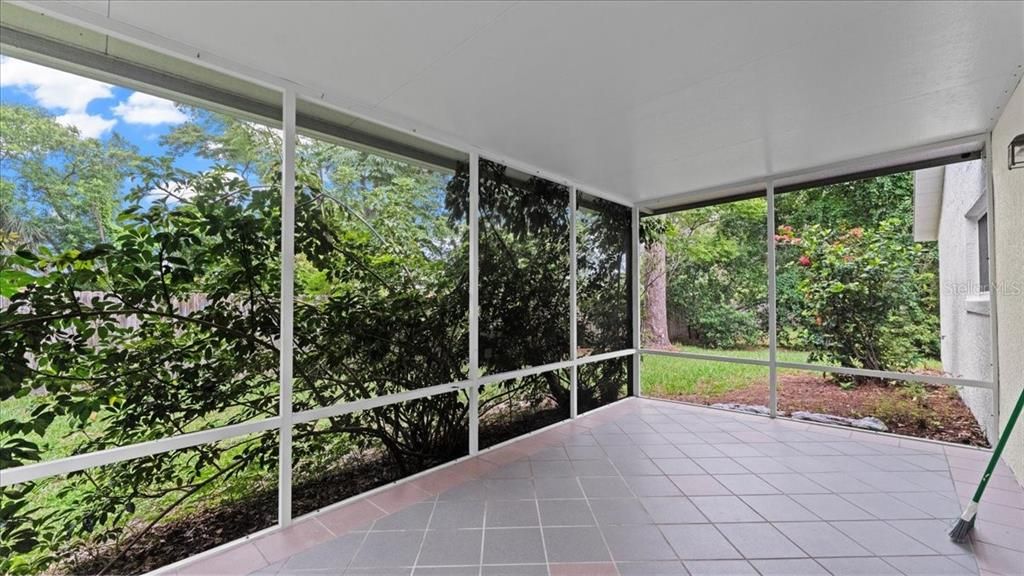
57,189
179,330
860,295
717,274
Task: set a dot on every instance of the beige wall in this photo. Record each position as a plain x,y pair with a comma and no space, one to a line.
1009,243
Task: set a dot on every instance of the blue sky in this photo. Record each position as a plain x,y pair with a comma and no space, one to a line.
96,108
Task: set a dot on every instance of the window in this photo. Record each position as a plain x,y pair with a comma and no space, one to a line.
983,252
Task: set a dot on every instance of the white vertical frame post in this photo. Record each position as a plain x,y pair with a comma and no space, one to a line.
773,384
474,302
573,372
635,296
993,285
285,344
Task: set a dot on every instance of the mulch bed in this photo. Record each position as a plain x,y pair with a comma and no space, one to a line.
938,414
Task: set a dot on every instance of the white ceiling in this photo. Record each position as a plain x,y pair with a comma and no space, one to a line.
641,100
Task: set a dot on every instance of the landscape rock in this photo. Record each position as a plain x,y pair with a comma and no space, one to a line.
748,408
867,423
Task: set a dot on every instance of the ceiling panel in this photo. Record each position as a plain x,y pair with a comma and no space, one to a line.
638,99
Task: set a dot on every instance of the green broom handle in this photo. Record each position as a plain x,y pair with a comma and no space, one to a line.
1003,438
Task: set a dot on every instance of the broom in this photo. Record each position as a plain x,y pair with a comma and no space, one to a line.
966,522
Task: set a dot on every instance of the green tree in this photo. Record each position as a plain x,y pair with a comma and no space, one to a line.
58,189
717,277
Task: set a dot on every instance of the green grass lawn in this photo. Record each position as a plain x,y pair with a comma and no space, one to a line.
669,376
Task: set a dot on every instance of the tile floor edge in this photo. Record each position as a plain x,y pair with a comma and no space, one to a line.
872,433
249,538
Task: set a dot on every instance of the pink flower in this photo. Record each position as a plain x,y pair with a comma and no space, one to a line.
805,261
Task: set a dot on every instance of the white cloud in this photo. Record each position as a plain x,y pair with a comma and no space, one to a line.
89,125
57,90
150,110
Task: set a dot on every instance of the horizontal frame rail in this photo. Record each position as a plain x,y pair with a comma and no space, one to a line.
31,472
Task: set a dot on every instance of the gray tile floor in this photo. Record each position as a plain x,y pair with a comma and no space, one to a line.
664,488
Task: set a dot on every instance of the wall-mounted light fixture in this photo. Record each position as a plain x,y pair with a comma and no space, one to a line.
1016,153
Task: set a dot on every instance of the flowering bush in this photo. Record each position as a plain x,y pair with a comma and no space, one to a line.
860,294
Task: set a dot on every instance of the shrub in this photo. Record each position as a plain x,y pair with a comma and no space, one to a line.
860,295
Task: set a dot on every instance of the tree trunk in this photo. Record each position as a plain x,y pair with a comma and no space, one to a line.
655,317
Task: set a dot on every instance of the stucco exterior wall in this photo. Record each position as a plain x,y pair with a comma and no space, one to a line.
964,308
1009,242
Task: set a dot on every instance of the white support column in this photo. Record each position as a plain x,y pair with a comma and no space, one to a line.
474,302
635,304
773,400
993,286
284,506
573,373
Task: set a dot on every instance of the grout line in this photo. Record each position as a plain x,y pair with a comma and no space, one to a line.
483,537
425,531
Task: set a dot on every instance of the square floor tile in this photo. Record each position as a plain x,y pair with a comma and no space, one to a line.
779,508
794,484
509,489
575,545
558,488
594,468
673,510
935,535
551,453
605,487
413,517
760,541
637,543
831,507
725,509
583,569
820,540
512,514
741,484
472,490
638,467
662,451
553,469
700,485
616,511
514,470
930,566
646,486
699,542
720,568
334,554
515,570
715,466
585,452
458,514
450,548
442,571
662,568
513,546
858,567
388,549
680,466
883,540
885,507
789,567
762,464
565,513
701,451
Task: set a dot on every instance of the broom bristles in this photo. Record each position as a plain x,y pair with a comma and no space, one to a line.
964,524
